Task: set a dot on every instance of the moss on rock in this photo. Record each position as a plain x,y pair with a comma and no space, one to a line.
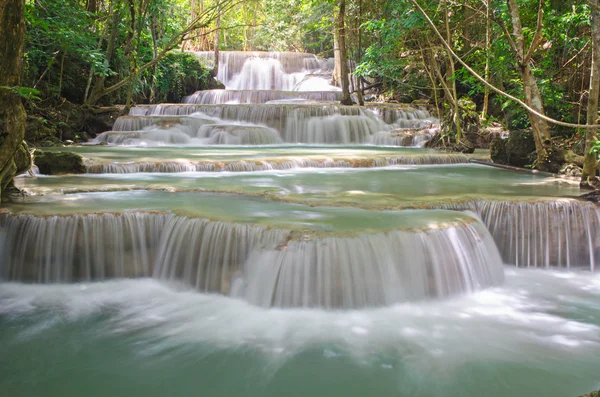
53,163
517,150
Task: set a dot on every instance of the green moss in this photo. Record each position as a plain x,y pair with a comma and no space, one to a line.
53,163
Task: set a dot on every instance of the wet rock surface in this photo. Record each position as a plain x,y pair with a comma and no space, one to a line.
54,163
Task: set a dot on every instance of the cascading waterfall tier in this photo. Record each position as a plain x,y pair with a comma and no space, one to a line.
266,164
264,70
215,97
564,233
368,270
267,267
306,123
405,137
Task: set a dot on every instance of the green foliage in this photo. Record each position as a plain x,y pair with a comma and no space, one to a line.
61,40
23,92
596,149
179,74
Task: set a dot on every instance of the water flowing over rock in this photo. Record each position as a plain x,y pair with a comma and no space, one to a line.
264,70
283,163
215,97
306,123
256,263
405,137
543,234
402,266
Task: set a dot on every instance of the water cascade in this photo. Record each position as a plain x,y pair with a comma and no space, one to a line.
543,234
215,97
265,266
267,164
304,123
265,70
234,231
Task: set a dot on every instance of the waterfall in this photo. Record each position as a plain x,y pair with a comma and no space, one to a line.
262,265
264,74
263,70
238,134
214,97
542,234
335,129
78,247
374,270
304,123
404,138
189,125
281,163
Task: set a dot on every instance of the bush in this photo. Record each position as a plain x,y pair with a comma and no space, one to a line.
180,74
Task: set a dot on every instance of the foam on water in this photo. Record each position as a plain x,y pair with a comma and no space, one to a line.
525,332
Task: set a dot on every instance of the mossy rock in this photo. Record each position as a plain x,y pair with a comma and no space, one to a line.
517,150
53,163
38,129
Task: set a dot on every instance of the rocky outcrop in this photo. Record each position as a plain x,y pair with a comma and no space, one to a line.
517,150
53,163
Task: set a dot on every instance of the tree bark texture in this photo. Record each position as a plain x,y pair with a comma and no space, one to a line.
12,112
590,161
533,98
341,31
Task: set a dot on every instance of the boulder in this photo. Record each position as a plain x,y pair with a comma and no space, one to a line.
53,163
517,150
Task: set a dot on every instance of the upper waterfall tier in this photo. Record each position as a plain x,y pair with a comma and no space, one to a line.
215,97
325,123
271,70
441,253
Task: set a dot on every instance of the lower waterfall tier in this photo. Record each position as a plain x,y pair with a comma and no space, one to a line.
454,253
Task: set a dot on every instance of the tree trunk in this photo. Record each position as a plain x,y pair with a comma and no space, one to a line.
154,35
335,78
451,78
346,99
359,92
91,6
217,34
589,165
533,98
488,43
96,93
12,112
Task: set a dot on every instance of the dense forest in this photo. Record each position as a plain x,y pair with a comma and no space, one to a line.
533,66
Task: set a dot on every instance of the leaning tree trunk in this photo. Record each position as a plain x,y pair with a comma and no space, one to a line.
335,78
589,165
533,97
346,99
217,45
12,112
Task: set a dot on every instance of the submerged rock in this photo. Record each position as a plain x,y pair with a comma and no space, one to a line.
52,163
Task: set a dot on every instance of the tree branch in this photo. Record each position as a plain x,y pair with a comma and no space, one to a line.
201,21
493,87
538,37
